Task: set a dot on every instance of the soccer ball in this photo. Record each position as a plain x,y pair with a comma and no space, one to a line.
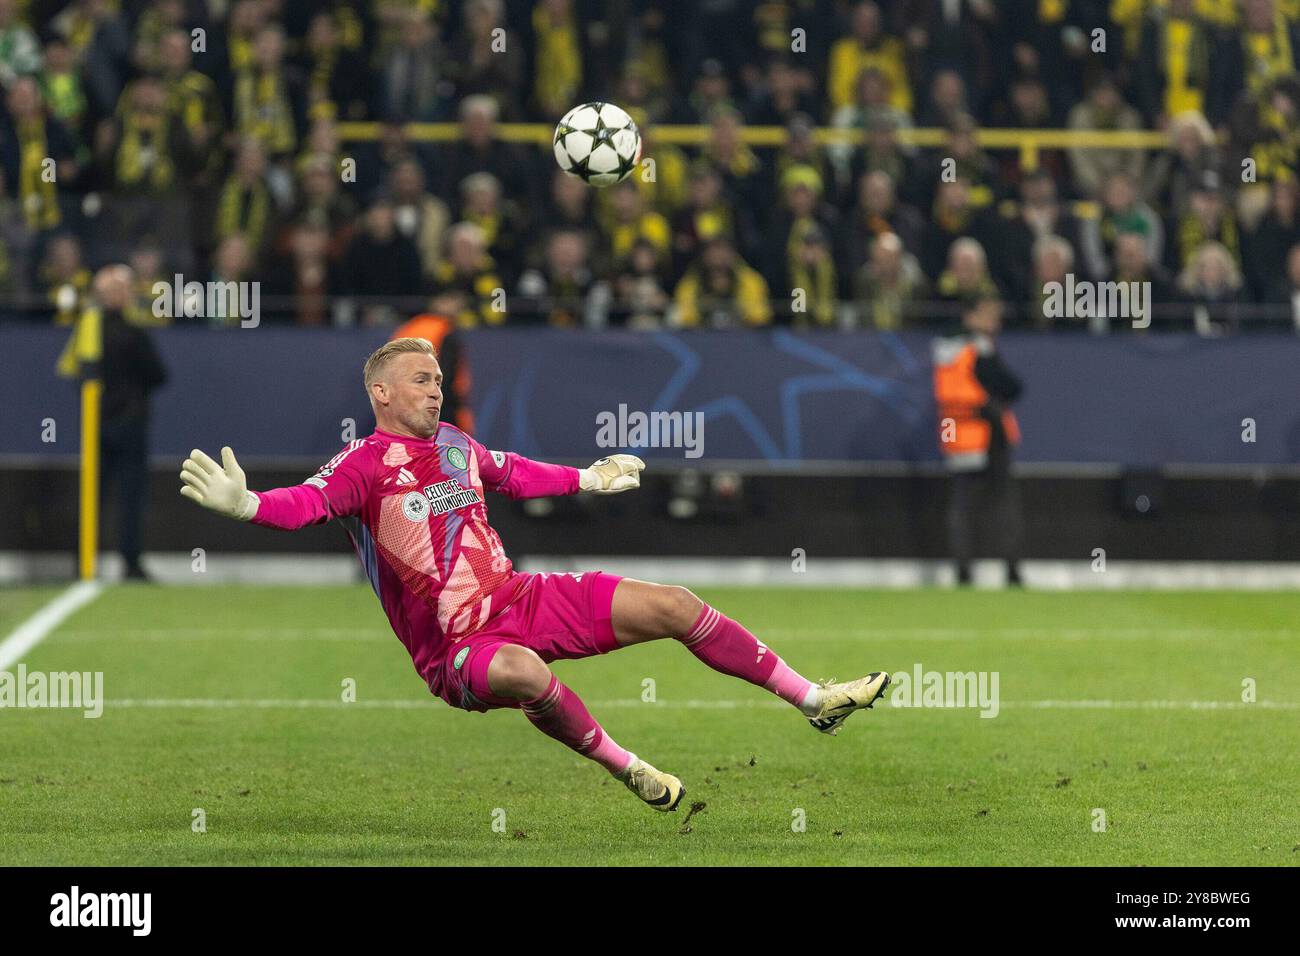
598,143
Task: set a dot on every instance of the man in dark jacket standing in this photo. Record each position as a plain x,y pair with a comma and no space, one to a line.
130,370
973,390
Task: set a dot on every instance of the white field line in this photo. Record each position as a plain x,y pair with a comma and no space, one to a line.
37,627
118,635
218,703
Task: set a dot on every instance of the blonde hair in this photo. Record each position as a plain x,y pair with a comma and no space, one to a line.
1190,278
380,356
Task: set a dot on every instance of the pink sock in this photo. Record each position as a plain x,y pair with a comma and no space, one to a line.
560,713
727,646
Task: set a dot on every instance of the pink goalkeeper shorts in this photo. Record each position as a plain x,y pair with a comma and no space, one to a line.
560,616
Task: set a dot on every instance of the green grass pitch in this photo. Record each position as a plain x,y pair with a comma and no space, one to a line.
228,700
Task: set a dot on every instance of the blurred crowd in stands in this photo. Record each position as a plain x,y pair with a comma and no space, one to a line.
206,139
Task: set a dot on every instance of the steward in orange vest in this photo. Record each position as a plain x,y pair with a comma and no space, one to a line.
972,388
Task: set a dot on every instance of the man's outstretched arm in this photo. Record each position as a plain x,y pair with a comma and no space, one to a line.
515,476
224,489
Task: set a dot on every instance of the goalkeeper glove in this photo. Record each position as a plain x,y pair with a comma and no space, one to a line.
217,488
612,475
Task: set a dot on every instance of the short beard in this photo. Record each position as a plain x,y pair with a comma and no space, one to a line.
417,425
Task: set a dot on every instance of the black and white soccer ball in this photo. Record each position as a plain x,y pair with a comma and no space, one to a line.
597,142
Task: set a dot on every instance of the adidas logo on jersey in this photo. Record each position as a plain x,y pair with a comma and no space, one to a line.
403,477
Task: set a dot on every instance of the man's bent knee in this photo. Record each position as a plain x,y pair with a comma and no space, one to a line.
518,673
679,609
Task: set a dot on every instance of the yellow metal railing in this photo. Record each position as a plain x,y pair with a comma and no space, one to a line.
1029,142
88,537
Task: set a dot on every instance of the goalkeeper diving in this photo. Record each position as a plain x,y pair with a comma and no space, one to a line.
481,634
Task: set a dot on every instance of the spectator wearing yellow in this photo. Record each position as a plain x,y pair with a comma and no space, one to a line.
649,58
889,287
36,155
64,279
740,167
391,18
1129,16
61,84
154,22
244,204
146,262
265,95
500,221
1270,133
1267,44
707,214
629,221
1253,59
469,270
800,149
557,56
803,210
193,103
813,281
1174,61
866,47
335,72
246,18
1207,217
320,201
720,291
969,162
665,191
148,146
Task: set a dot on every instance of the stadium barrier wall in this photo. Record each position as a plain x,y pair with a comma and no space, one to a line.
1244,519
775,397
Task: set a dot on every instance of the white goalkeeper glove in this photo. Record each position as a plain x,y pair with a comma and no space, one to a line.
611,475
217,488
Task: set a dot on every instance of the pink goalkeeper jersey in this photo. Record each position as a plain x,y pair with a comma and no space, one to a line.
415,512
